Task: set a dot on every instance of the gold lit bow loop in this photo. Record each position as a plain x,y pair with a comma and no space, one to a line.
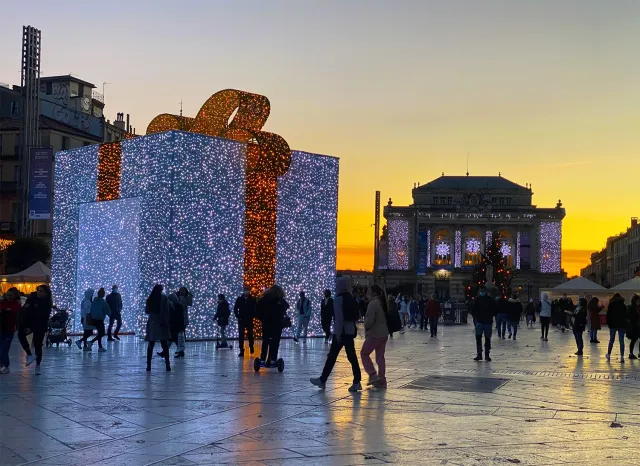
240,116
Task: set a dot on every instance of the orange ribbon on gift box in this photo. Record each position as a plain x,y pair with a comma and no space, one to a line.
239,116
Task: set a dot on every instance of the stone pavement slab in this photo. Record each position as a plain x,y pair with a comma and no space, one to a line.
534,404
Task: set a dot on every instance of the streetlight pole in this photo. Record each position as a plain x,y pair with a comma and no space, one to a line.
104,83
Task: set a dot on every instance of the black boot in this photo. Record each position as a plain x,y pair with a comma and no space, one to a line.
486,357
167,363
149,356
478,357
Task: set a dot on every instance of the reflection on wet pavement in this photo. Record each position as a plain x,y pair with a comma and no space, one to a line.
535,403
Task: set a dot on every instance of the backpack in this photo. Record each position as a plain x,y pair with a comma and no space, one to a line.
350,309
394,323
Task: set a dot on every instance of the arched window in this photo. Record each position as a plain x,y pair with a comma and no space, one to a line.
472,249
442,248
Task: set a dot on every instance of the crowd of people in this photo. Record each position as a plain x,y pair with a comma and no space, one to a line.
622,320
381,316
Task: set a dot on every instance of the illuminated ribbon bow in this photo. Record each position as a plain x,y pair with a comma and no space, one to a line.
268,157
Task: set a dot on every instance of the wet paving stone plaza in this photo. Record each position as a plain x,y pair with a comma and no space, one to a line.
534,404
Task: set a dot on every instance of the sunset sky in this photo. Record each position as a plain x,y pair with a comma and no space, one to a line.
546,92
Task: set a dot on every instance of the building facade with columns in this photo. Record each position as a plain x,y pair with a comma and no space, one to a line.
436,242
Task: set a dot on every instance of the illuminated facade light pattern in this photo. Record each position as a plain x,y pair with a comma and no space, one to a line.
398,244
192,218
518,250
505,249
442,249
488,239
550,247
473,246
307,225
108,252
428,248
458,250
75,183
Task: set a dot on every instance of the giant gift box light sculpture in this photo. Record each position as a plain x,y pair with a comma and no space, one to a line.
189,207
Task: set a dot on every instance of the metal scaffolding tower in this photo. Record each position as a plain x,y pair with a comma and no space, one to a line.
30,131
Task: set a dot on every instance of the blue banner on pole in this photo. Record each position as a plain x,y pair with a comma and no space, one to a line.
41,163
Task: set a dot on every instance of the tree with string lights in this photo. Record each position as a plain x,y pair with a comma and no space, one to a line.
495,258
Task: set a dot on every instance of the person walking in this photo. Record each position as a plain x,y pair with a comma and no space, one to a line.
176,323
272,311
35,318
413,313
403,310
594,307
484,310
346,312
185,298
245,310
433,311
502,316
221,317
580,323
617,323
326,314
633,324
395,321
545,316
303,310
565,305
422,306
99,312
10,306
158,325
376,333
85,319
114,300
514,312
531,313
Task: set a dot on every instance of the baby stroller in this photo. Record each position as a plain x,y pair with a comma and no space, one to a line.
57,329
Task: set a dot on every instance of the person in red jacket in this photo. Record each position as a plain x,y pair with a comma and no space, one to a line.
433,312
9,308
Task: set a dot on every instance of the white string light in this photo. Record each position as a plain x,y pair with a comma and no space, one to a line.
182,196
306,231
550,247
398,230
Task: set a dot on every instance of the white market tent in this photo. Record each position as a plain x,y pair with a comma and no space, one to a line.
628,288
27,280
579,284
629,285
577,288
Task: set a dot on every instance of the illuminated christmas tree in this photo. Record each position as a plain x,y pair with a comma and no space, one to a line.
502,276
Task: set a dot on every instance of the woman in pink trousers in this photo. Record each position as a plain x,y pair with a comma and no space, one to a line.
376,333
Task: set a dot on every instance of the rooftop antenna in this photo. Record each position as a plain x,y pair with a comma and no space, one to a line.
467,163
180,107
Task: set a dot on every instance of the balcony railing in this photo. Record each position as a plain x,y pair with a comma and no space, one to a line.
97,96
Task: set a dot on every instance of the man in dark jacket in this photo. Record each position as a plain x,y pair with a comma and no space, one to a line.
514,312
326,314
344,332
245,310
484,309
617,321
221,317
114,300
